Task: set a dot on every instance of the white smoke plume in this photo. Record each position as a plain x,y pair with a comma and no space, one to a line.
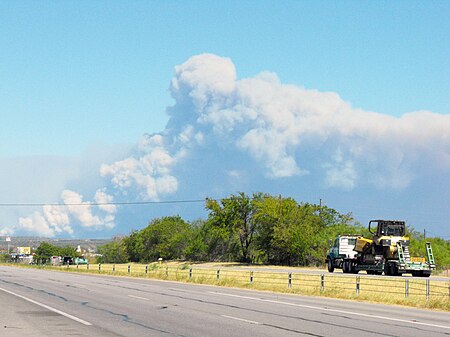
278,127
226,134
58,219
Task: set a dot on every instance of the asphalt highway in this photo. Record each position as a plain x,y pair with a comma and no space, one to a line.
47,303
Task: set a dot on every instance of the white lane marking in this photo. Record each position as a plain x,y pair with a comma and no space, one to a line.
187,290
79,320
333,310
240,319
139,298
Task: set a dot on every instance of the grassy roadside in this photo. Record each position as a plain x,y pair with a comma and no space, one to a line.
413,292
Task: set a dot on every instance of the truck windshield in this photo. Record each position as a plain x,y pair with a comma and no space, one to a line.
352,242
395,230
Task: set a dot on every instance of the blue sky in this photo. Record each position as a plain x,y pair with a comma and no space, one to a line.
81,83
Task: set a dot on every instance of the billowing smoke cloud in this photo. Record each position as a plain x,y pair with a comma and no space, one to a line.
278,126
151,172
58,219
228,134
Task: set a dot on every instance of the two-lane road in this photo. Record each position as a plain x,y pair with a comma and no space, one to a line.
45,303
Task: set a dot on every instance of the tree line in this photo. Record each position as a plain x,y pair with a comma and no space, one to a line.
260,228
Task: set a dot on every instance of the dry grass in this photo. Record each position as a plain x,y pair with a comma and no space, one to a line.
400,291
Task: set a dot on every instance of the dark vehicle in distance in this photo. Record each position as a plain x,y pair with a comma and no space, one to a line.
67,260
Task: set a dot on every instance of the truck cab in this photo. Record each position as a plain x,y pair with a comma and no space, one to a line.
341,249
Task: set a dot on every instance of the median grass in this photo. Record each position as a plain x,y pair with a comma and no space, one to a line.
407,291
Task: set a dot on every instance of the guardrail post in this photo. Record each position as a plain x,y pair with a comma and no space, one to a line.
87,266
251,277
77,265
146,269
358,282
167,271
406,288
290,280
99,267
190,273
322,282
427,283
114,268
218,274
129,269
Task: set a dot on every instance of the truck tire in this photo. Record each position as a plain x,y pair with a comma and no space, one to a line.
346,267
351,268
393,270
330,266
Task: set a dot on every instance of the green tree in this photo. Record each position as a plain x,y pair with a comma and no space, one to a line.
197,248
234,217
113,252
272,215
46,250
134,246
165,238
293,233
67,251
220,241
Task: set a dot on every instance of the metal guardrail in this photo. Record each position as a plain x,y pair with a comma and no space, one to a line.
260,279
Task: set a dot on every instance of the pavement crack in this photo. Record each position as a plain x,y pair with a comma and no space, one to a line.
127,319
12,327
292,330
35,289
277,315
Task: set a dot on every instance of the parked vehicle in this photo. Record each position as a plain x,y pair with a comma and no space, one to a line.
55,260
67,260
81,260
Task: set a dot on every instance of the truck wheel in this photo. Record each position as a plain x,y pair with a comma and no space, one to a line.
351,268
346,267
330,266
393,270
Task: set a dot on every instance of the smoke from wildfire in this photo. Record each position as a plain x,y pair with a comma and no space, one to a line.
227,134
